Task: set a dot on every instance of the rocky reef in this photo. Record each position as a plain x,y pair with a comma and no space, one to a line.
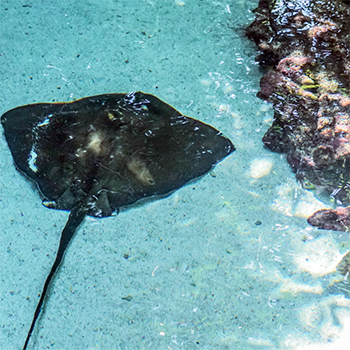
304,48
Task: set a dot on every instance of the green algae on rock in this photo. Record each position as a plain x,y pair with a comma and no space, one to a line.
306,47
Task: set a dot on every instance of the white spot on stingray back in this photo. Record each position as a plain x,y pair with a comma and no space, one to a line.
32,160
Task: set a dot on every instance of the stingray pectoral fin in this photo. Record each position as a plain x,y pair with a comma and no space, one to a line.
75,219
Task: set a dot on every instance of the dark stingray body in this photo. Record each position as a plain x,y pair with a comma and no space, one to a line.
100,153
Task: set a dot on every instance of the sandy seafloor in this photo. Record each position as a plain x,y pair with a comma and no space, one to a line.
227,262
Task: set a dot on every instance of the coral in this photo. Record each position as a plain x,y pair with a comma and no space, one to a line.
305,45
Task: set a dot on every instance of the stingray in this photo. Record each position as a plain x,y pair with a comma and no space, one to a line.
101,153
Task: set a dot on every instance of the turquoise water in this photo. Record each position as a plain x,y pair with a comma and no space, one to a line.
227,262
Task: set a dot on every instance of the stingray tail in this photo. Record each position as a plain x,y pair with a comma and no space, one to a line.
75,219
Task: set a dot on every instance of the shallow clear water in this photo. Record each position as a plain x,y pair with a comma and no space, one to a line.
227,262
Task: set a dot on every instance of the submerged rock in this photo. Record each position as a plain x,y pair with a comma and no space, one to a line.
305,46
331,219
344,265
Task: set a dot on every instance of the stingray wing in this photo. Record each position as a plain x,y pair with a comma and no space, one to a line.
108,151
